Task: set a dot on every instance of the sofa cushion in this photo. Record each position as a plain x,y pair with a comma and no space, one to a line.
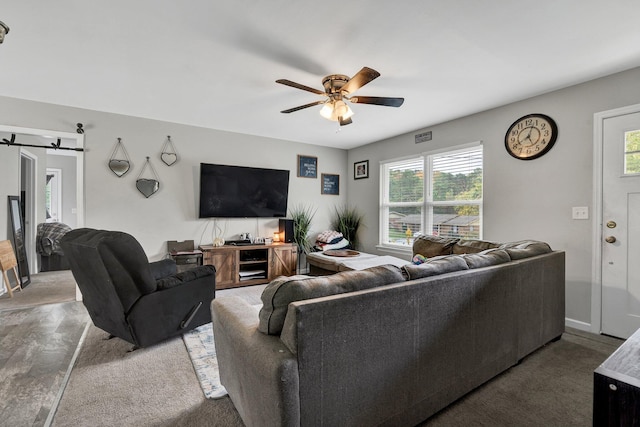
280,292
430,246
486,258
525,249
473,246
434,267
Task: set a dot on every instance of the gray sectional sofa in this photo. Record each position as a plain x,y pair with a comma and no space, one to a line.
388,346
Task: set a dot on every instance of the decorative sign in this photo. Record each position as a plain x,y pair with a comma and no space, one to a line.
307,166
330,184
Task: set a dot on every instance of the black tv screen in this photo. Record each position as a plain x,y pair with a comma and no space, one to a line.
242,192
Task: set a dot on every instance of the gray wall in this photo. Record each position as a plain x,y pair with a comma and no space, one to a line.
522,199
171,213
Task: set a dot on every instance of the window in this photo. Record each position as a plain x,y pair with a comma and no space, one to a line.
632,152
436,193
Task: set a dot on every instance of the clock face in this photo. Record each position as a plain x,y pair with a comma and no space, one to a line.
531,136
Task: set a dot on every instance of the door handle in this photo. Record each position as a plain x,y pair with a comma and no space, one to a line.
610,239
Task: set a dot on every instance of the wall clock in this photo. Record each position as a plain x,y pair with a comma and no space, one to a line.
531,136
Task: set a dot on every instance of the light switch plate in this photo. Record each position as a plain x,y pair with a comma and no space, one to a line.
580,212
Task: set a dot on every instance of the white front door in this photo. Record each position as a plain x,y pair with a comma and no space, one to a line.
621,225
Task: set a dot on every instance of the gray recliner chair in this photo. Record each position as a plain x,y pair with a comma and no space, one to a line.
129,297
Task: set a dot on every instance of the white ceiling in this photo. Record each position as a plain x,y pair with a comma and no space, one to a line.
214,63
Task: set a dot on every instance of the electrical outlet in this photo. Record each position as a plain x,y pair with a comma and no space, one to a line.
580,212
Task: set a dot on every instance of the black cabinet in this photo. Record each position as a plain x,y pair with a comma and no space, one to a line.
185,261
616,386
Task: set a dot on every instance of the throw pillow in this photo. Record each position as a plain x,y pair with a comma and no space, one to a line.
278,294
418,259
430,246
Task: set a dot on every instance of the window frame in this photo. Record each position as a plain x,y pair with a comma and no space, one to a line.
427,204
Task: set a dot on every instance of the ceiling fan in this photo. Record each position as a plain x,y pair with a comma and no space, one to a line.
337,89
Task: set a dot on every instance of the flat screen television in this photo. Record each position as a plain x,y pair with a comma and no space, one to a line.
242,192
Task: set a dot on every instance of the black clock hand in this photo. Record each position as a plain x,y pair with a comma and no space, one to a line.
530,130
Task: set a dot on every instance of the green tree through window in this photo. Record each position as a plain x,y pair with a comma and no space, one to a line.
632,152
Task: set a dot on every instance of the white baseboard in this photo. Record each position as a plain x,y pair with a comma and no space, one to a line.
576,324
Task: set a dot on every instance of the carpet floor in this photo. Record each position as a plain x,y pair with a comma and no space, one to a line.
551,387
157,386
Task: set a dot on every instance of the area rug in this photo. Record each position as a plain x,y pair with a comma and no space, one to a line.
202,352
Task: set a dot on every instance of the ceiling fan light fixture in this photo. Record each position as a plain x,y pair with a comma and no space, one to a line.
341,109
327,110
333,110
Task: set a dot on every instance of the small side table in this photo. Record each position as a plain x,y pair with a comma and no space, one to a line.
186,260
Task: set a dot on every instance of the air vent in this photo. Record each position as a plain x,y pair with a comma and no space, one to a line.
422,137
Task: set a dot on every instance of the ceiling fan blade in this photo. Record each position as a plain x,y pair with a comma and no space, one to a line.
344,122
377,100
361,78
311,104
299,86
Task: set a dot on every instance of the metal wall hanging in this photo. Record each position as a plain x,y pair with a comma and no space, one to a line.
122,165
169,155
148,186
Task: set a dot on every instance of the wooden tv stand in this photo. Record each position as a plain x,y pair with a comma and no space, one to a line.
248,265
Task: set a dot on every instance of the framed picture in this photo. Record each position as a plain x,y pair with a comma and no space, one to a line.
307,166
330,184
361,169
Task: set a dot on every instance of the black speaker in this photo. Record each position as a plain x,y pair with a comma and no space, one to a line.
286,230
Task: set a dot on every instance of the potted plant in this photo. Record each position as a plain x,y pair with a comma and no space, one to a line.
302,216
347,220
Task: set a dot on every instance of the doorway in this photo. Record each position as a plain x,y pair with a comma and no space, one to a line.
32,187
617,228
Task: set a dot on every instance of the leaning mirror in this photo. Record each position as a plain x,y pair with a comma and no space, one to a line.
17,227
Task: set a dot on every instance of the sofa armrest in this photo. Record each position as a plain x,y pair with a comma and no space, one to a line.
187,276
258,371
162,268
170,312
